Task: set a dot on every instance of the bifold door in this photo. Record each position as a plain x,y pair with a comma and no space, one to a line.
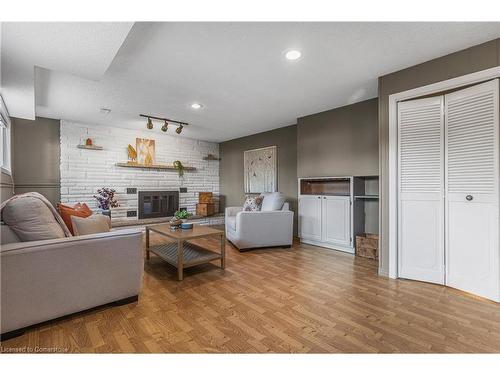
421,183
471,128
448,224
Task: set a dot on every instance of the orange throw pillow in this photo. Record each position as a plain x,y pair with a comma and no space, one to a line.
80,210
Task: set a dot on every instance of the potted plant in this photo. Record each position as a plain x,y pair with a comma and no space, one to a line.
182,215
180,168
106,200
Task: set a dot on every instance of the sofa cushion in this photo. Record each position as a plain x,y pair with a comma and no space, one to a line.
231,222
89,225
66,212
31,219
252,203
272,201
7,235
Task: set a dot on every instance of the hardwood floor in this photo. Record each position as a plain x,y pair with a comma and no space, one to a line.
302,299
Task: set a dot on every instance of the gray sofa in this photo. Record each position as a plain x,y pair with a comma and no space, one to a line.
48,279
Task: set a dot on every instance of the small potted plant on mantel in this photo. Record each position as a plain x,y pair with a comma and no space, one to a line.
106,200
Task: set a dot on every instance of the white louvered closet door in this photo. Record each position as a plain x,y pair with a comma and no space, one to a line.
471,133
421,183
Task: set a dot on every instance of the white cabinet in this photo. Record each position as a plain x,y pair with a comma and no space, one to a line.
310,217
325,219
336,220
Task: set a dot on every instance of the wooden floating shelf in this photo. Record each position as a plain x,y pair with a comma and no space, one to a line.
152,166
85,147
211,157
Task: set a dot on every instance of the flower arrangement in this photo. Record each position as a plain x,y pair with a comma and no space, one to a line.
178,165
182,215
106,198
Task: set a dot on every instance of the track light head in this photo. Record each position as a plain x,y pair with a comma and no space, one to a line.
164,128
166,123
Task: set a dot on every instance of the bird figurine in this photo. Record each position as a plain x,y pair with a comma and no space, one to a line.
132,154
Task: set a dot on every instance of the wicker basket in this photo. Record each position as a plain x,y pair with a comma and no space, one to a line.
367,245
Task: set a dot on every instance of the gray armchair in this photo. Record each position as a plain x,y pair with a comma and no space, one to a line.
254,229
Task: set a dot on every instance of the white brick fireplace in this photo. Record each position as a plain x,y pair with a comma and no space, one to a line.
84,171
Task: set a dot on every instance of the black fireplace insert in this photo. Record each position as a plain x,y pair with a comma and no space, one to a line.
158,204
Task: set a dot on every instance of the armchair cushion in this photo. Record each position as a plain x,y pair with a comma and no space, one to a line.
272,201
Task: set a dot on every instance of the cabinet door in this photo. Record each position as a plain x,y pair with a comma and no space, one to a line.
336,220
310,217
472,189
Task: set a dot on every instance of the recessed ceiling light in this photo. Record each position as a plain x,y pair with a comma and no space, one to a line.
293,54
196,106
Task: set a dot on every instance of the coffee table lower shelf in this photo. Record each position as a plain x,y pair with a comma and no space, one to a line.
192,255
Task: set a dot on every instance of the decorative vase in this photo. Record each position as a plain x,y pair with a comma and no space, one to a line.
106,212
175,222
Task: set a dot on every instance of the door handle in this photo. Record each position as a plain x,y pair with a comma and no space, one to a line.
469,197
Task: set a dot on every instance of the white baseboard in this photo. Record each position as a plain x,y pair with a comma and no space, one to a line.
346,249
382,272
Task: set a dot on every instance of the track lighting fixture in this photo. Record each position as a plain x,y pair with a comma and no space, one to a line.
180,125
164,128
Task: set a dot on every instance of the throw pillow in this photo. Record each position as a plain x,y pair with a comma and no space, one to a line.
80,210
272,201
31,220
252,203
89,225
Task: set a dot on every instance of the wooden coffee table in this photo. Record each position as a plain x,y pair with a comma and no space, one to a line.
183,254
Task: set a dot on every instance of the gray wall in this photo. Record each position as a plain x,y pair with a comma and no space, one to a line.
339,142
36,157
231,165
480,57
6,187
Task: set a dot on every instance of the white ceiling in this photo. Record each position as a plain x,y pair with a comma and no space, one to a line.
81,49
236,70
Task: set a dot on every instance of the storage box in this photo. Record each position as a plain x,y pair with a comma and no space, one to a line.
367,245
205,197
205,209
